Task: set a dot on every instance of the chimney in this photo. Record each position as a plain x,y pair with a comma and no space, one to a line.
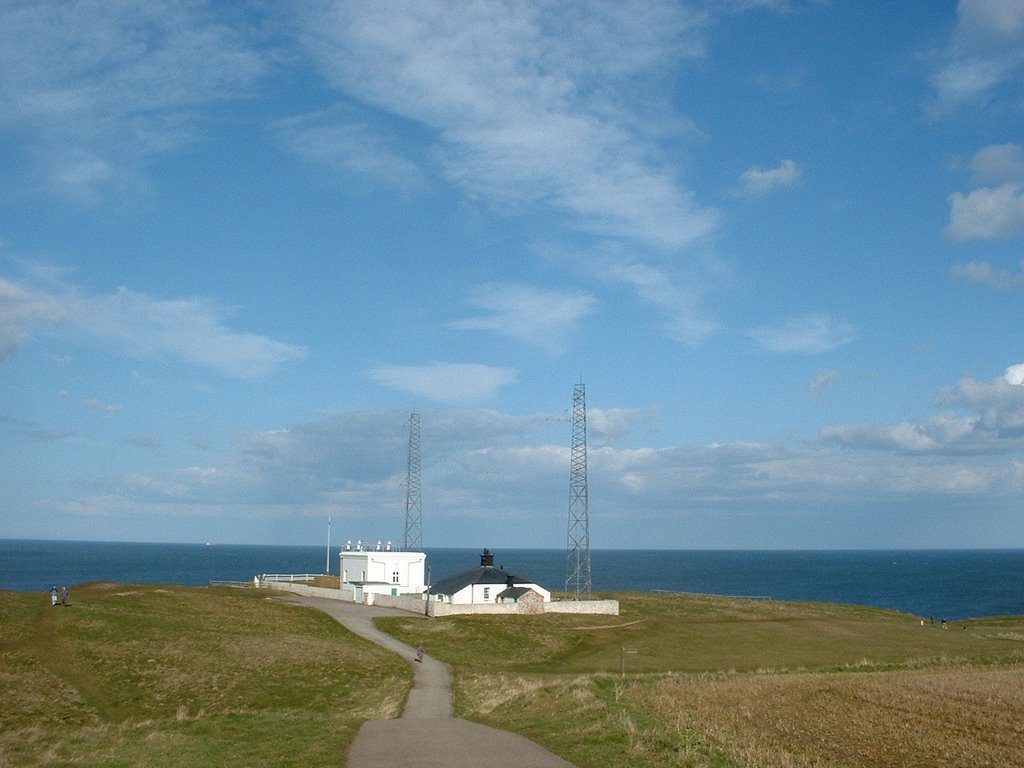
487,559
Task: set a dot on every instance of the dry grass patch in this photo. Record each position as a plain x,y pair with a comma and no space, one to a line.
729,682
954,717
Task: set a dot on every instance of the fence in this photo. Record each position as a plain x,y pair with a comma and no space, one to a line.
289,578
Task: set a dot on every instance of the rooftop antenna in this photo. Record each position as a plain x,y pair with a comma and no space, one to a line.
413,539
577,570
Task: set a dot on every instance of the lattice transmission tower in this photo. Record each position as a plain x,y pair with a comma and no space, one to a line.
577,571
413,539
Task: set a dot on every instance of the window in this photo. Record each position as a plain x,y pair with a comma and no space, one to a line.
394,577
487,593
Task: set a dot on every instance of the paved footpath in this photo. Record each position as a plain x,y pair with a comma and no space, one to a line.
427,736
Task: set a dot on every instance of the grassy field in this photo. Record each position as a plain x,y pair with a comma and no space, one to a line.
699,681
150,676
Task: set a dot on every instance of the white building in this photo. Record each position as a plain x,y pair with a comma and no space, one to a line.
379,570
488,585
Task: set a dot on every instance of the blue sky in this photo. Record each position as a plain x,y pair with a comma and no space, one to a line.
780,242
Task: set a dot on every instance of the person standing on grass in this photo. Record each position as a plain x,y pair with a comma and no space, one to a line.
53,595
65,596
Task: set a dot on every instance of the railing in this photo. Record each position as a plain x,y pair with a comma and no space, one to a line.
289,577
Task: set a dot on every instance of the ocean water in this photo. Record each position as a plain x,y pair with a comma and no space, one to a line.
950,584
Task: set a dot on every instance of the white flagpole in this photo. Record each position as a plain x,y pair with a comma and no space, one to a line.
328,563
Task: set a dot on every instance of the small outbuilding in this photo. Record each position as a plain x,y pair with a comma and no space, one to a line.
487,585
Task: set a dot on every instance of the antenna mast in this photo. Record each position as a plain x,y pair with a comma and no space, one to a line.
413,513
577,571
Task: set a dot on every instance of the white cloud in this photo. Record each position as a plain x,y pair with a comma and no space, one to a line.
101,88
191,329
525,102
350,465
822,381
1014,374
805,334
449,383
606,426
969,80
992,23
352,145
21,310
933,434
687,323
141,440
543,107
984,273
526,313
984,54
995,209
489,474
755,181
998,405
108,409
998,164
988,418
987,213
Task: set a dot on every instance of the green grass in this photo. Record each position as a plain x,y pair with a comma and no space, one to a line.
691,634
692,663
136,676
151,676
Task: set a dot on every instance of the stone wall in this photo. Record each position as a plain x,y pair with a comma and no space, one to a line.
473,609
605,607
411,603
414,603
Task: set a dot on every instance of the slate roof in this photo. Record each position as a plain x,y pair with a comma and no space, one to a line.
483,574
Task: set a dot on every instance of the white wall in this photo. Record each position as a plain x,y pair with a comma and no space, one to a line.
474,593
401,572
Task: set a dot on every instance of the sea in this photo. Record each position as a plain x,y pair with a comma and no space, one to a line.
949,584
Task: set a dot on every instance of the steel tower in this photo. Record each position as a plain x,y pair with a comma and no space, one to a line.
577,571
413,540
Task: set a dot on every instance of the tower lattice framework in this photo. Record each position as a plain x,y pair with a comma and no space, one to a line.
577,571
413,539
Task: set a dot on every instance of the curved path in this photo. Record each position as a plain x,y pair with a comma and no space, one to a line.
427,736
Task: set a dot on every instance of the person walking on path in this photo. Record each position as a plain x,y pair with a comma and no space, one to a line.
419,653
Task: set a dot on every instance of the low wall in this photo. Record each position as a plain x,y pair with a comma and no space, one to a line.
415,604
411,603
307,590
474,609
605,607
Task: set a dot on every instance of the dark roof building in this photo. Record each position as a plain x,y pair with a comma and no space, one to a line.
485,584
